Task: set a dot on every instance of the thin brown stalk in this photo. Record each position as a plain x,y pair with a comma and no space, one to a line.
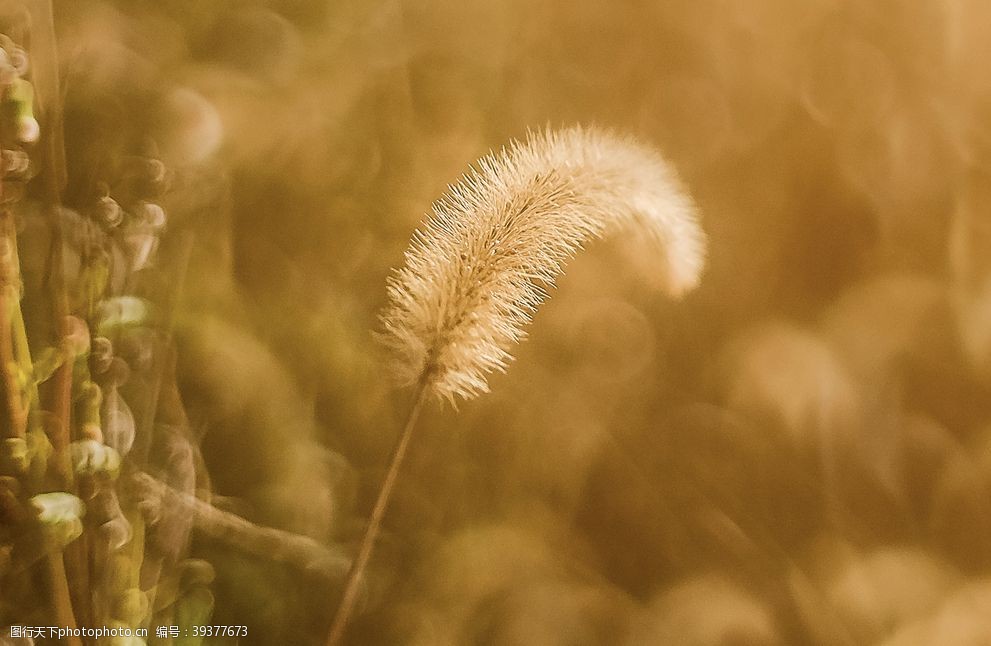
353,582
46,82
60,595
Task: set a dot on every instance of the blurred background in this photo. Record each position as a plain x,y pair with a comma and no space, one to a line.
799,452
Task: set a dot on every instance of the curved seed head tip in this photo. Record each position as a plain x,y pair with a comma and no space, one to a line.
482,263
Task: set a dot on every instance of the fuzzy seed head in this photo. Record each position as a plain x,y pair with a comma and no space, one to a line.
483,262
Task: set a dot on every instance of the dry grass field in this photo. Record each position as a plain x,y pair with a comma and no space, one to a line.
204,211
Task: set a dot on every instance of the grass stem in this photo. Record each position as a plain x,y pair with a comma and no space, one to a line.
353,582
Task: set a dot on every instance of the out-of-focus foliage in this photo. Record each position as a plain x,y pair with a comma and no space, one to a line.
798,452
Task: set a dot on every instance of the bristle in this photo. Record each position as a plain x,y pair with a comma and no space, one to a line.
480,266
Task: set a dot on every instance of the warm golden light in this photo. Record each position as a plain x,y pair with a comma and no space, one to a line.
206,217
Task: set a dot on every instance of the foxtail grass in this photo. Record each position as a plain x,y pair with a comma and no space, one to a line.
478,269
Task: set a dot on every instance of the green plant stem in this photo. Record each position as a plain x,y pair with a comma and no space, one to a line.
14,398
15,351
353,582
45,78
11,347
59,428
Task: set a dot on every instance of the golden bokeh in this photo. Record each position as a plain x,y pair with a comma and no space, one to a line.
796,452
